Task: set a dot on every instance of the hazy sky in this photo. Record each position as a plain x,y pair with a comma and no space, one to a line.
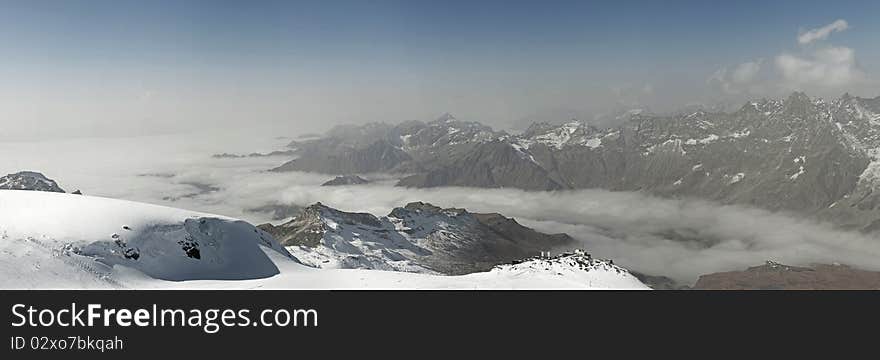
80,68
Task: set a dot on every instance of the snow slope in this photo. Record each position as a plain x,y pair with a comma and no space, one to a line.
536,274
54,240
96,233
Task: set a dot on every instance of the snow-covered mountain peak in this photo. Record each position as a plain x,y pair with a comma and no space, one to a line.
342,180
425,209
571,265
29,180
763,106
444,131
573,133
578,260
859,108
93,234
798,104
445,117
329,215
798,98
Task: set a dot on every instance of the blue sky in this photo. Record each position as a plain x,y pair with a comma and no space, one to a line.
166,65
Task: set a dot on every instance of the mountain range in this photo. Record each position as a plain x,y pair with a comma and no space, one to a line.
800,154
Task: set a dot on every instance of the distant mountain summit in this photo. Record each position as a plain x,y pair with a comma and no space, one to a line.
446,117
29,180
776,276
346,180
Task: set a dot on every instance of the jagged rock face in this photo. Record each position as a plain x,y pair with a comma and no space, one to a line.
489,165
858,120
307,229
346,180
447,131
462,242
29,180
775,276
418,237
773,154
574,133
798,154
324,237
776,155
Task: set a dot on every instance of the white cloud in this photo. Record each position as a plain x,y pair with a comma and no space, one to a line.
720,77
829,67
746,72
739,79
822,32
825,70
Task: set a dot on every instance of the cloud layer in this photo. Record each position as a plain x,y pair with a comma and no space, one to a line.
678,238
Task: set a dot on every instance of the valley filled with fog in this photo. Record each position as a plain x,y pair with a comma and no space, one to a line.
678,238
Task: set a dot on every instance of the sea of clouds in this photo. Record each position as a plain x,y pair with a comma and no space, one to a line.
679,238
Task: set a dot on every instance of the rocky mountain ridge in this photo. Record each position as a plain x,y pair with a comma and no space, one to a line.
796,154
418,237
